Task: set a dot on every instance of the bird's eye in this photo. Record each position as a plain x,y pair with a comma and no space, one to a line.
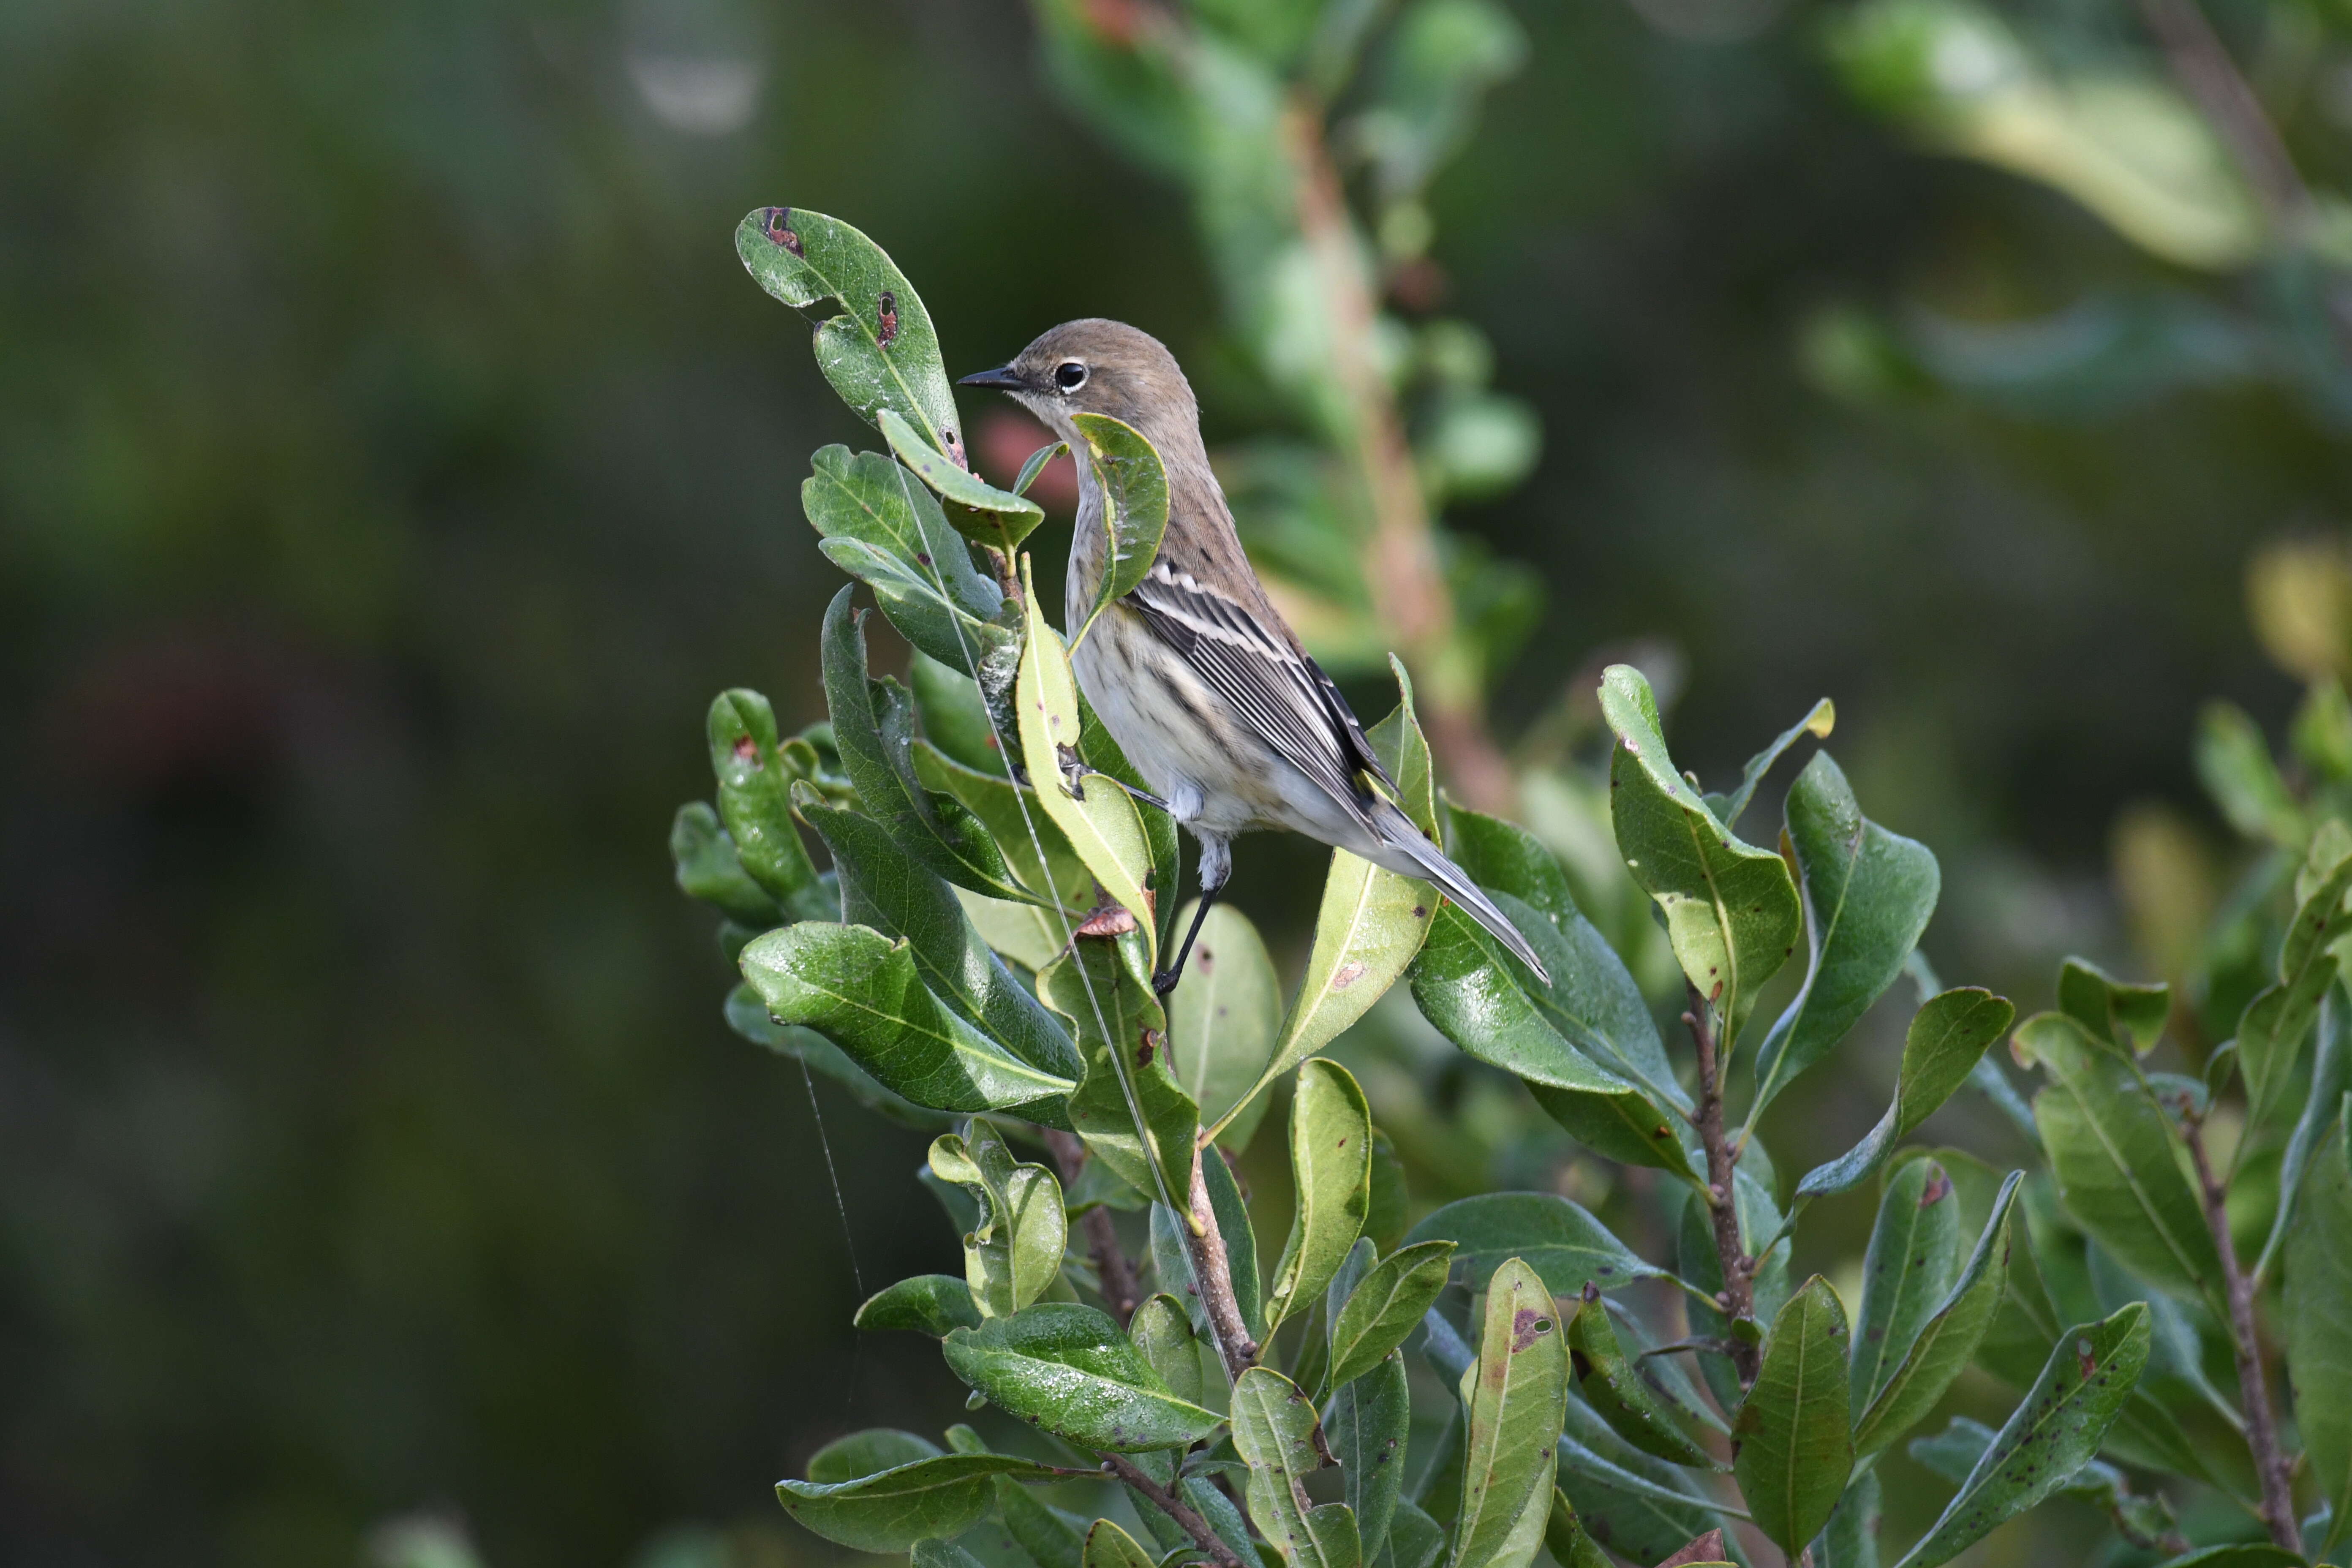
1069,375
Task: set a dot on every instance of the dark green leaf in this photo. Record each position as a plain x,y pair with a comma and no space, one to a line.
955,715
1697,1262
1385,1307
1414,1539
1641,1505
1134,486
1109,1546
1035,464
2131,1016
892,1511
1052,1536
2318,1323
1036,851
1070,1370
880,351
1947,1341
1131,1111
1913,1258
1370,1416
1560,1239
1946,1042
1277,1436
1331,1168
1850,1540
2049,1436
929,1304
1241,1243
1566,1539
707,868
912,601
1014,1252
1517,1398
1392,1207
1003,518
1792,1445
1222,1018
1869,893
868,1453
1164,1332
1614,1386
862,991
1731,910
2275,1022
2331,1074
755,803
869,501
1817,722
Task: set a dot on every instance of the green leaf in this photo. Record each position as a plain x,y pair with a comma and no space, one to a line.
1331,1168
2234,763
1277,1436
862,992
1134,1115
1162,1330
1035,464
1035,850
868,1453
754,801
880,351
1222,1018
1617,1392
1566,1539
1414,1539
2331,1074
1817,722
955,715
2112,1152
1436,63
1913,1258
748,1016
1698,1264
1950,1338
1241,1243
1014,1251
2271,1031
1517,1399
1134,489
2239,1554
2317,1303
1069,1369
1098,817
1053,1537
1385,1307
1005,519
889,891
1403,750
709,869
1391,1206
2130,1014
1370,1416
873,725
1791,1446
1850,1540
1109,1546
1640,1504
2050,1435
1560,1240
1946,1039
1869,893
1464,983
870,515
930,1304
892,1511
946,1554
1731,910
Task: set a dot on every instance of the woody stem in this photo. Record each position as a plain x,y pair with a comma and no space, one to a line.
2271,1463
1739,1298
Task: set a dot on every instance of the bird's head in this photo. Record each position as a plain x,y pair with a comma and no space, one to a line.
1095,367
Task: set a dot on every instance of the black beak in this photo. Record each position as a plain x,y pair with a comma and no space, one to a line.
1001,378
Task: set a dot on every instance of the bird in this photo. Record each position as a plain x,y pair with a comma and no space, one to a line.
1196,675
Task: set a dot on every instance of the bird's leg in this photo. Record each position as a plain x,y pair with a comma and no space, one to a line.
1216,866
1145,795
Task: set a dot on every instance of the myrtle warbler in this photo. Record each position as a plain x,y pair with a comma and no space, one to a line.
1198,678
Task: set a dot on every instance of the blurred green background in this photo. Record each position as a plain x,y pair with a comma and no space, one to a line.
394,457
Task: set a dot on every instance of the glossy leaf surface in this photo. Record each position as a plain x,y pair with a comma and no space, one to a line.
1517,1399
933,1304
1792,1445
1070,1370
1134,486
1278,1438
891,1511
1946,1039
1560,1239
1005,517
1331,1170
1014,1251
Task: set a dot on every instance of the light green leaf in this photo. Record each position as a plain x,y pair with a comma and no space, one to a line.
1003,518
1384,1307
1850,1540
707,868
1014,1251
1560,1240
1277,1436
1617,1392
889,891
1331,1167
1914,1256
2271,1031
1464,985
2317,1303
2131,1016
1222,1018
931,1304
755,803
1792,1448
1946,1039
2052,1434
2331,1074
1403,750
1098,817
1369,1418
1517,1398
868,1453
892,1511
874,726
1944,1344
1052,1536
2234,763
862,992
1566,1539
1817,722
1732,914
1162,1330
1021,934
1109,1546
880,351
1070,1370
1414,1538
1869,893
1134,1115
1134,487
2112,1152
1035,850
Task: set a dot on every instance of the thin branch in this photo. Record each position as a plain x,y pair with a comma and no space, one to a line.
1115,1276
2254,1389
1738,1297
1175,1507
1213,1275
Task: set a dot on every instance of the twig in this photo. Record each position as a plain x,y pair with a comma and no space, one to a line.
1175,1507
1113,1273
1738,1297
2253,1390
1406,581
1213,1275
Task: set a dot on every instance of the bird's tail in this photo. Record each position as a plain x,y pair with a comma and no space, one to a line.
1414,855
